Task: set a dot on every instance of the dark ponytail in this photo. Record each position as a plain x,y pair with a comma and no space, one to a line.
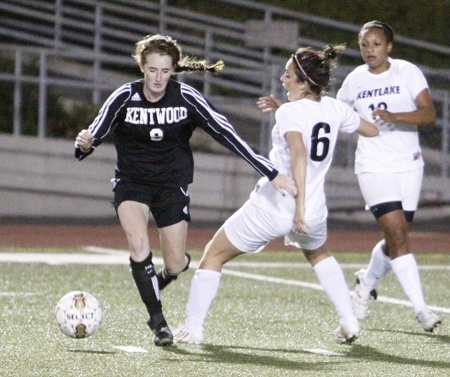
314,66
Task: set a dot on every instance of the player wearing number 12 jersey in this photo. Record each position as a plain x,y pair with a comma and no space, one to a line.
394,93
397,147
303,139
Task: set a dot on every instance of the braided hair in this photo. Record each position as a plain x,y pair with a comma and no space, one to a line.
314,66
165,45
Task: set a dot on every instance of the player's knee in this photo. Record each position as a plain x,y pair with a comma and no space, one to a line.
140,254
176,268
397,242
397,232
138,246
317,255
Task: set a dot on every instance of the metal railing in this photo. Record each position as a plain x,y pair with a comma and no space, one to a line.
85,45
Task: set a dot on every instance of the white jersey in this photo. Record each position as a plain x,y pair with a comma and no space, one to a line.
319,123
395,90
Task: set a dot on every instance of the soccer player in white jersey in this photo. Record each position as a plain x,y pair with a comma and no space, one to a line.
152,121
304,139
394,94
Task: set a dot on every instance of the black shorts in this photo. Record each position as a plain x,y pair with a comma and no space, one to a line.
168,205
381,209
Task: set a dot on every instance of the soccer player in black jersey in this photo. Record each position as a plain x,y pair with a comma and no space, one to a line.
152,121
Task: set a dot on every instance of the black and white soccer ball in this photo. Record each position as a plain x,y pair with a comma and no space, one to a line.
78,314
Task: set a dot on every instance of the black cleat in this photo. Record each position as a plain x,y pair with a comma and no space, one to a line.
163,336
158,325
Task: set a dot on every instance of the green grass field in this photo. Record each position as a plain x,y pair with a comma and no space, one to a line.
281,327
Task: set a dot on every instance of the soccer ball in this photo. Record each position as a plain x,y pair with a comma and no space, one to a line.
78,314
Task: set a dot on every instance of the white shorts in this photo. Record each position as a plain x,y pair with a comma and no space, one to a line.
404,187
251,228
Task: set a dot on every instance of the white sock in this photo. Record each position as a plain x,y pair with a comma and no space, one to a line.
333,282
379,266
407,273
204,288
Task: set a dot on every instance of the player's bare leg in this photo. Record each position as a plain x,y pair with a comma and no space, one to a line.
134,218
173,246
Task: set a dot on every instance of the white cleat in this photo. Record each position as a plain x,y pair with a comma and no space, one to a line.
428,319
362,297
182,335
348,331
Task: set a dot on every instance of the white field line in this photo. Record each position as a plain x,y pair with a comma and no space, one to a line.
319,351
131,349
56,259
7,294
269,279
114,256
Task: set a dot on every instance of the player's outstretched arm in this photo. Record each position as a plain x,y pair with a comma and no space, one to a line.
367,129
269,103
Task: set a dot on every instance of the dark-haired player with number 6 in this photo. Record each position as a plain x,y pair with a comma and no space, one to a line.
394,94
152,121
303,138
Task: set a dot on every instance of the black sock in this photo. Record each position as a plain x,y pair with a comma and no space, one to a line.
147,284
164,277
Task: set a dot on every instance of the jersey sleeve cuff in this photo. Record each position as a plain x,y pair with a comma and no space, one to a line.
81,155
273,174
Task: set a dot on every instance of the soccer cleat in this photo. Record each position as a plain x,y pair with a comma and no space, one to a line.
158,325
164,278
362,297
348,331
163,335
428,320
182,335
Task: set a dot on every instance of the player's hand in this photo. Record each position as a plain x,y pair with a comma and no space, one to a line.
285,185
299,220
85,140
268,103
381,117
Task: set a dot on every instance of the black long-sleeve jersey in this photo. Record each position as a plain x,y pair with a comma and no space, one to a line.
152,138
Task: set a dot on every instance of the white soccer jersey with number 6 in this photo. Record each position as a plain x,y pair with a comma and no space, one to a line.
319,124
